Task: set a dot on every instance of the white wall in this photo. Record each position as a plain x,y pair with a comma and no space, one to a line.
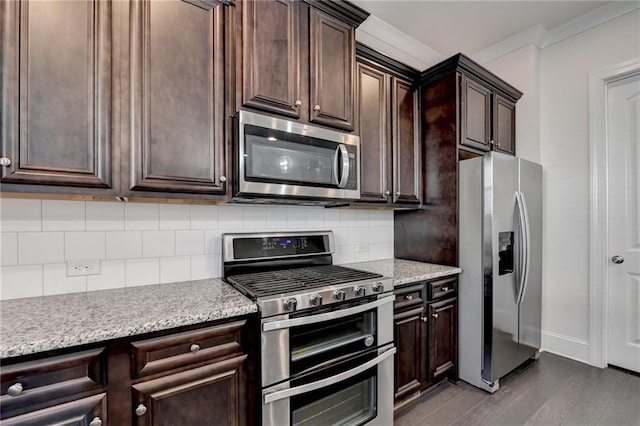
142,243
565,68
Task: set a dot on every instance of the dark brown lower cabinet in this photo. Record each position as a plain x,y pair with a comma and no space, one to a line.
194,376
425,333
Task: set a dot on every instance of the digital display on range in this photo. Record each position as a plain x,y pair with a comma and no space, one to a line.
250,248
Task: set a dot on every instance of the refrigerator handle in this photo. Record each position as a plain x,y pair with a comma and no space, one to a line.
526,245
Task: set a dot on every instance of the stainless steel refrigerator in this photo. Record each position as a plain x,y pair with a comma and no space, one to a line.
500,253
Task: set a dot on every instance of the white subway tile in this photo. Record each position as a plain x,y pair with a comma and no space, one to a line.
332,219
207,266
174,269
345,254
213,242
341,236
20,215
204,217
255,217
315,219
189,242
124,245
8,248
56,280
175,216
112,275
296,218
20,281
105,216
276,218
347,218
354,236
158,243
40,247
141,216
142,272
379,218
61,215
84,245
230,218
379,251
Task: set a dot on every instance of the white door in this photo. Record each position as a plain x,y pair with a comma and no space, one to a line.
623,186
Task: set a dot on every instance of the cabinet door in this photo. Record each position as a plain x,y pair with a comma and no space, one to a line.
411,356
209,395
442,337
406,143
80,412
372,123
271,56
331,73
55,65
475,115
176,90
504,125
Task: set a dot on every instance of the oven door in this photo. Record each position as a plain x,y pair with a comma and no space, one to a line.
352,392
293,344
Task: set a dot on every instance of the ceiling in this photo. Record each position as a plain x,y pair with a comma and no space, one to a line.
449,27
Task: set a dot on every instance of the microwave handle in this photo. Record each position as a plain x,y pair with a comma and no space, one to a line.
341,152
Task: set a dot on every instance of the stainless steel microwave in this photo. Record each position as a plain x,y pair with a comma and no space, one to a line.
288,161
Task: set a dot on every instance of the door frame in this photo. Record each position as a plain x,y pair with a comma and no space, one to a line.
598,232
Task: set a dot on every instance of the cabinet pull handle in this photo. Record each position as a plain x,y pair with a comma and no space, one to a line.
387,192
445,288
96,422
194,348
316,107
398,193
4,161
223,178
409,297
15,389
424,319
141,410
435,315
298,102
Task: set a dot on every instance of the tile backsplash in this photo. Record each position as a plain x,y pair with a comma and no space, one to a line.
144,243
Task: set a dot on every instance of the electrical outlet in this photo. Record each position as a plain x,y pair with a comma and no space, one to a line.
362,248
83,267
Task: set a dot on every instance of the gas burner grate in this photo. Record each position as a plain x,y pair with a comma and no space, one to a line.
291,280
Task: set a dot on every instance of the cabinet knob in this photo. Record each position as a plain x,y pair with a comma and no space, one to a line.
424,319
409,297
316,107
15,389
398,193
387,192
435,315
444,288
223,178
298,102
194,348
4,161
498,144
96,422
141,410
617,259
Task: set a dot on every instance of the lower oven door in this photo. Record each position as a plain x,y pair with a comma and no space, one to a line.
294,343
353,392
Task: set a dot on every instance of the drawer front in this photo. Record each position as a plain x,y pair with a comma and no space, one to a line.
442,288
79,412
409,296
50,381
167,353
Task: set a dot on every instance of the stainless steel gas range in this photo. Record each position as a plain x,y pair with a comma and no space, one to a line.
326,330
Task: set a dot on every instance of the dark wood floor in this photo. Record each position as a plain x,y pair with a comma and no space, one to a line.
550,391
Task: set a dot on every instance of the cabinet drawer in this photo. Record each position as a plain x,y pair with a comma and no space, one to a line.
409,296
184,349
442,288
42,383
79,412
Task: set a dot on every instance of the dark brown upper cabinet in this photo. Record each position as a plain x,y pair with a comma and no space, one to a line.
387,120
504,125
174,138
475,106
57,101
297,59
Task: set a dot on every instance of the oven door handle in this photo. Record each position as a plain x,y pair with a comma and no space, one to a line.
288,323
309,387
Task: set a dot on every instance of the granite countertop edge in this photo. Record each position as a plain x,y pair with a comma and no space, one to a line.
406,272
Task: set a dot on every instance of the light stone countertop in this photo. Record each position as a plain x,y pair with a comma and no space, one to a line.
40,324
405,271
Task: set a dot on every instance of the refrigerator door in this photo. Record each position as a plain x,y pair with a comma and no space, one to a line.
501,241
530,177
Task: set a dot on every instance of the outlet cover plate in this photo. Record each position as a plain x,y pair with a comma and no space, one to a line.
77,268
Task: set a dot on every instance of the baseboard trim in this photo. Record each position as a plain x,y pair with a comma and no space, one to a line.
566,346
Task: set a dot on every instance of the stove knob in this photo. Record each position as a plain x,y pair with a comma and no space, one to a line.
316,300
378,287
340,294
358,290
290,304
